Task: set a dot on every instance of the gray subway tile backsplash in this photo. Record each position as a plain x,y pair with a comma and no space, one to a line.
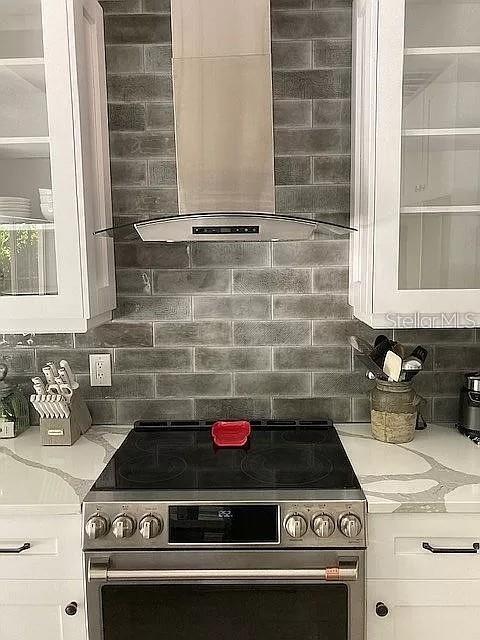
169,409
142,145
293,170
232,408
292,113
329,52
232,359
193,385
214,332
248,333
235,330
230,254
137,29
312,84
233,307
152,360
139,87
153,308
144,255
158,58
116,334
312,358
129,172
277,383
332,253
272,280
308,25
128,116
181,281
324,305
159,115
292,55
124,58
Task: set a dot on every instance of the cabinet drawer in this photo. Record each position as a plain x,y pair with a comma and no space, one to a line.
55,550
395,547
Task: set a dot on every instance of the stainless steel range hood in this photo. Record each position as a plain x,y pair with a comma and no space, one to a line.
222,93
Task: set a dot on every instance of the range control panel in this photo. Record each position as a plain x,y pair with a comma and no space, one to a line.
269,525
224,230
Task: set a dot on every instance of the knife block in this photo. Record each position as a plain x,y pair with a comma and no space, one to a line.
66,431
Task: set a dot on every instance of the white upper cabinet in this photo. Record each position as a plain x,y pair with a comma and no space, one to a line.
55,276
416,163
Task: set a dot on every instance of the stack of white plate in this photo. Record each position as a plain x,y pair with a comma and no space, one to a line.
15,209
46,203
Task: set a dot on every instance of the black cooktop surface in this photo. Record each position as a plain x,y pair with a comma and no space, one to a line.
181,455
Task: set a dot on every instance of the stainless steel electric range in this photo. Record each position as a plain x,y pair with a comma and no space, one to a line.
186,540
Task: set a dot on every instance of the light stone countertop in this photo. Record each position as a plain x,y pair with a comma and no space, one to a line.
53,480
438,472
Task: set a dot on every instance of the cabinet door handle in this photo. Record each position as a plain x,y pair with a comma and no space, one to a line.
474,549
24,547
71,609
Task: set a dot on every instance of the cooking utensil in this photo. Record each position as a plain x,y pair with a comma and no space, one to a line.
380,350
54,369
49,374
39,386
420,353
34,402
371,365
362,352
392,367
360,345
71,376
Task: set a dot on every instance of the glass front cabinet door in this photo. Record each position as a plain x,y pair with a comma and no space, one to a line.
415,260
54,168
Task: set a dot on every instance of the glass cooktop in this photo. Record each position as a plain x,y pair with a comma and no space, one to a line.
182,455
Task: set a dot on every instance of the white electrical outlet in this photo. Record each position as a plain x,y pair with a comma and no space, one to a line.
100,370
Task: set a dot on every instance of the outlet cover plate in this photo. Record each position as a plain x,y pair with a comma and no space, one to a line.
100,370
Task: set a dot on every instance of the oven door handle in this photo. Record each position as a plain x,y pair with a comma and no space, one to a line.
346,570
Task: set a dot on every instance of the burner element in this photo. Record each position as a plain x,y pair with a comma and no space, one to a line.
287,467
154,468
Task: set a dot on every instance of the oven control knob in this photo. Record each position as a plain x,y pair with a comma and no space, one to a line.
123,527
150,527
350,525
296,526
323,525
96,527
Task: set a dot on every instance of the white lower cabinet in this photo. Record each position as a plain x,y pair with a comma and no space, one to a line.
423,609
35,610
414,594
41,587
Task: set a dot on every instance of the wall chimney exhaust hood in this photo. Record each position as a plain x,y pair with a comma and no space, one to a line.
223,104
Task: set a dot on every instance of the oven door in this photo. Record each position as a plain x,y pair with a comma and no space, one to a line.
200,595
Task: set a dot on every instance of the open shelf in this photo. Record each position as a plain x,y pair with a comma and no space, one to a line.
22,62
433,140
27,226
25,147
442,51
461,131
454,210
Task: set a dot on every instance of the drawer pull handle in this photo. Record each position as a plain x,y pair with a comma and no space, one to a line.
475,549
24,547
